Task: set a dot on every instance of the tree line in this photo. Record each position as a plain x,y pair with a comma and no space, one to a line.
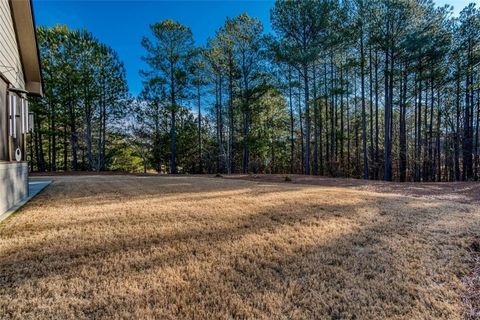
384,89
85,92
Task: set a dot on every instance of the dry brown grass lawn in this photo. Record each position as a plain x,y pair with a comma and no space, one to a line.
202,248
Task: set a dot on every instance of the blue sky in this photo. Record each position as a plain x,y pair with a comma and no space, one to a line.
121,24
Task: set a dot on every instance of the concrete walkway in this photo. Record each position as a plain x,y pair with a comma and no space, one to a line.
34,188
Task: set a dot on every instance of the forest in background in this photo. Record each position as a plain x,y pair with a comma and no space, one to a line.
384,89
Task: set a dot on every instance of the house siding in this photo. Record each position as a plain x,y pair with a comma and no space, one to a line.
14,186
9,54
13,175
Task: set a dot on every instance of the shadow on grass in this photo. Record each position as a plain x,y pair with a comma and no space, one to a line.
301,260
52,257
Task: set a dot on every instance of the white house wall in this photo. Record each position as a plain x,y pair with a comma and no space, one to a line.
10,63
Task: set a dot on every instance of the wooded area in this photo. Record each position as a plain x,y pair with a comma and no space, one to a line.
385,89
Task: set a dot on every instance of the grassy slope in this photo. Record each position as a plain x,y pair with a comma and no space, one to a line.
185,247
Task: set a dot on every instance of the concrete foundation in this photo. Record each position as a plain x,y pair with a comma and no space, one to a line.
13,184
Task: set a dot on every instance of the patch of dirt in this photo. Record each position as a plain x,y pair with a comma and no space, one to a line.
463,192
472,284
90,173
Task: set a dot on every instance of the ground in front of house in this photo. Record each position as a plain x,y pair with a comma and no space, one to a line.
176,247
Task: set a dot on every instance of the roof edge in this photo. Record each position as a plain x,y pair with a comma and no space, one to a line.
24,24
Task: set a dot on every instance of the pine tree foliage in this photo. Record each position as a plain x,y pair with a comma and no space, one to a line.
381,89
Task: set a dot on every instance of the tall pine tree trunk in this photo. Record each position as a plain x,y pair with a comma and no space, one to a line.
173,128
292,117
370,81
53,133
300,121
307,118
457,129
377,128
315,123
387,175
231,140
402,133
199,130
364,116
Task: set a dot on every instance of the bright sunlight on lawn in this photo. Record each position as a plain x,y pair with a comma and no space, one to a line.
195,247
